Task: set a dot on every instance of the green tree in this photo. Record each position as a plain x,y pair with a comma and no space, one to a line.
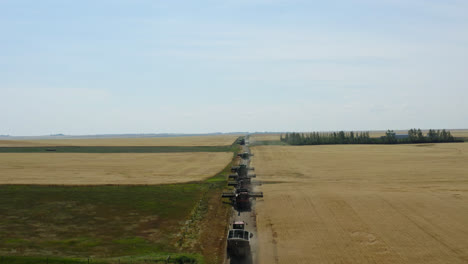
421,138
390,137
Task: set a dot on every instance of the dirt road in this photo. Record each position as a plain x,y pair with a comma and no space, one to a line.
249,218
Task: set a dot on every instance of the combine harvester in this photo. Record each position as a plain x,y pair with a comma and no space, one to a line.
241,179
246,177
242,169
241,198
238,240
245,155
244,183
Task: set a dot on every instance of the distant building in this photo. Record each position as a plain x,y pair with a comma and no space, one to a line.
398,136
401,136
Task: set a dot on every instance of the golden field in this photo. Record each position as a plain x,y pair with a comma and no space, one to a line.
264,137
115,168
363,203
217,140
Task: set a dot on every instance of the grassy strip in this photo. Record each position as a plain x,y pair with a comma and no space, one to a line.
152,258
100,221
103,221
116,149
44,260
209,218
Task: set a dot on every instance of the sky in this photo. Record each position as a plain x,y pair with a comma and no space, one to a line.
148,66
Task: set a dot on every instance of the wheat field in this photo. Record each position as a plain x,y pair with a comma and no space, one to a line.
216,140
264,137
113,168
363,203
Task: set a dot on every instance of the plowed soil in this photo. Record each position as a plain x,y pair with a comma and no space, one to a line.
363,204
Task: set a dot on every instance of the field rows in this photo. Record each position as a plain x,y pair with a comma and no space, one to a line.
113,168
363,204
219,140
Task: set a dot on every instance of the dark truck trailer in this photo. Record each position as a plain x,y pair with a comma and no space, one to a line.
238,243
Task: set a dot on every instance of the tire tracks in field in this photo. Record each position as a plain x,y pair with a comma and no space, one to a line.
367,243
456,253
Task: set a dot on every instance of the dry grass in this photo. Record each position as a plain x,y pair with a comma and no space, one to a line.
218,140
363,204
116,168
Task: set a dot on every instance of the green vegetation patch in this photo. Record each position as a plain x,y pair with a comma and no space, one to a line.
414,136
117,149
102,221
151,258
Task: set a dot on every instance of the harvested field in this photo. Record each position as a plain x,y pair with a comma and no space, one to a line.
363,204
264,137
114,168
218,140
459,133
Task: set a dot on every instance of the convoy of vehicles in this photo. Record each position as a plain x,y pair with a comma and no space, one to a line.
238,239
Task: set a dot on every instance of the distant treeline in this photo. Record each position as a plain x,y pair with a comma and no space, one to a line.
353,137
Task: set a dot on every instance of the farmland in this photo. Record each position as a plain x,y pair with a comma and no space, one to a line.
97,221
112,202
114,168
218,140
363,204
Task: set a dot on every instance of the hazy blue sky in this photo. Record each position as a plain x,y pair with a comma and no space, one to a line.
145,66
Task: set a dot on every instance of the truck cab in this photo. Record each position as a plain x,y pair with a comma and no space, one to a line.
238,225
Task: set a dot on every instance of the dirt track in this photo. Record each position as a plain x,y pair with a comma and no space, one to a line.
363,204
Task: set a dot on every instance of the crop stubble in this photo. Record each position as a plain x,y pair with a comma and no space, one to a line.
217,140
109,168
363,204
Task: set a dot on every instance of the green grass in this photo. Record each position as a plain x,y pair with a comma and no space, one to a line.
99,220
150,258
117,149
46,260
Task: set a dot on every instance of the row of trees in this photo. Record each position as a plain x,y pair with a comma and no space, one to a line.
351,137
319,138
